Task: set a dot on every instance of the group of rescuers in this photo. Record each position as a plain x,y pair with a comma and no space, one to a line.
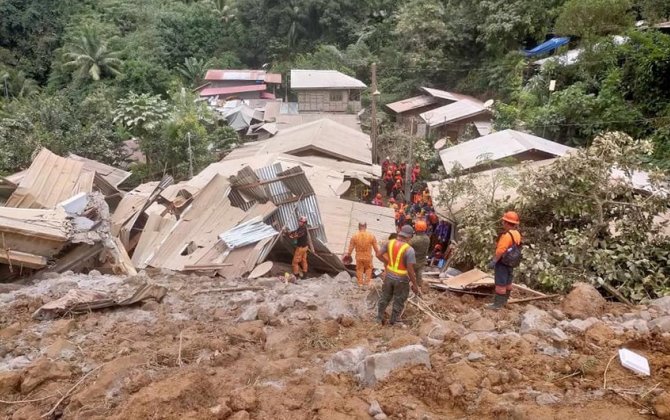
404,257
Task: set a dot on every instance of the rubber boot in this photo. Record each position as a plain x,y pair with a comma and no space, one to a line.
498,302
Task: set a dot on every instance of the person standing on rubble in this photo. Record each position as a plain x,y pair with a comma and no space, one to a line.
399,258
421,245
364,243
507,256
300,254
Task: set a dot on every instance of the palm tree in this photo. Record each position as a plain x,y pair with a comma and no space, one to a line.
15,84
224,9
193,70
90,57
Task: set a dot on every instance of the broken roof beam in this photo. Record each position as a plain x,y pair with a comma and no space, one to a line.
22,259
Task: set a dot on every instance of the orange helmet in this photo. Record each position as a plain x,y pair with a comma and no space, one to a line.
379,195
438,247
420,226
391,200
511,217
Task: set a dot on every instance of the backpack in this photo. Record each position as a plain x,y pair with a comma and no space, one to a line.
512,256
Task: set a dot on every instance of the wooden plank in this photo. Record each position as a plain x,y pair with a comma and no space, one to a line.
22,259
529,290
213,267
532,298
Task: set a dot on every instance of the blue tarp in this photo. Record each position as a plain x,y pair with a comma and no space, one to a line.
547,46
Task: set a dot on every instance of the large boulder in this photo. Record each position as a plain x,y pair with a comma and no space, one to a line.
661,304
44,370
379,365
661,324
662,406
583,302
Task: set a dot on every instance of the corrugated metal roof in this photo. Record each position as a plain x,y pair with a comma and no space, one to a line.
341,217
323,79
231,90
114,176
484,128
247,233
453,112
499,145
257,75
322,137
288,120
449,96
50,180
411,103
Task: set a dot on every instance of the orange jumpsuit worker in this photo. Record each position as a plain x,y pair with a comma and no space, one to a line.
364,243
503,272
302,241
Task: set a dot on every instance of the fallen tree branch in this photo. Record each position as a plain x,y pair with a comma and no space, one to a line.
532,298
615,292
27,401
228,290
69,391
606,369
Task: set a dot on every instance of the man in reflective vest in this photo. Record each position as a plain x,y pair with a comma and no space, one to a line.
399,258
364,243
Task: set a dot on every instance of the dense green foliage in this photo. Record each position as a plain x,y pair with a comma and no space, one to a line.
68,53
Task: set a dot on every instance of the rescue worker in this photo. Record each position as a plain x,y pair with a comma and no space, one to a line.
416,173
386,163
300,254
397,188
363,242
399,259
388,182
377,201
503,273
421,245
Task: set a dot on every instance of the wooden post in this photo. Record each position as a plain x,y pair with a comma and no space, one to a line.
373,114
408,171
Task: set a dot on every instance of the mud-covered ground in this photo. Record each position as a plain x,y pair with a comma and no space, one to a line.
263,354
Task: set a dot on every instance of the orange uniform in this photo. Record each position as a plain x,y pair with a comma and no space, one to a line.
505,241
364,243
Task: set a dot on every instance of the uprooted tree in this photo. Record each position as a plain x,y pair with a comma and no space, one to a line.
589,216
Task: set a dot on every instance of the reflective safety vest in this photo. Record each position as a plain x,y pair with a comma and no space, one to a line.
396,251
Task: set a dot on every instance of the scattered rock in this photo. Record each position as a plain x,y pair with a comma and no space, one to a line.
381,416
62,327
558,314
346,360
265,313
456,389
378,366
28,412
244,399
60,349
475,356
599,333
240,415
483,324
11,331
581,325
661,324
662,406
44,370
470,317
221,411
346,321
661,304
583,302
535,320
645,315
547,399
638,325
343,277
375,408
557,334
249,314
465,374
9,382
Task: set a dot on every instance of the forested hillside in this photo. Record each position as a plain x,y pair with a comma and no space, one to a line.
82,76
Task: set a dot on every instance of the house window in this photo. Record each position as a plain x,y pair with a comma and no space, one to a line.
335,96
354,95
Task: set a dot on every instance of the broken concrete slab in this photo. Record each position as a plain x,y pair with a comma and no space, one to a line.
379,365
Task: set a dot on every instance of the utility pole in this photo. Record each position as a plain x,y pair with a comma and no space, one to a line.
190,156
373,114
408,168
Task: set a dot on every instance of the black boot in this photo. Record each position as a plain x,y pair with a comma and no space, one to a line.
498,302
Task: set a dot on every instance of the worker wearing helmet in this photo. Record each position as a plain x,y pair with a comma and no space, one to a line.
503,272
364,243
399,258
421,244
299,262
377,201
